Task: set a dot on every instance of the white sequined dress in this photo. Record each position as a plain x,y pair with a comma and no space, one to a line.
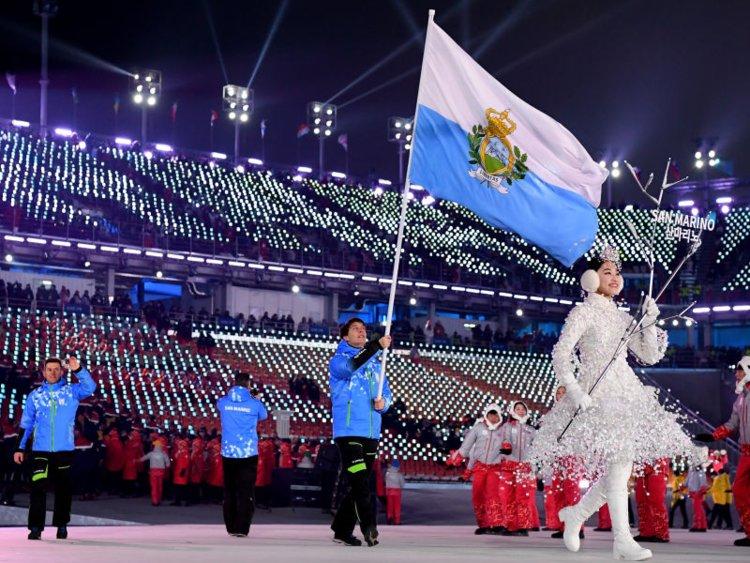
626,421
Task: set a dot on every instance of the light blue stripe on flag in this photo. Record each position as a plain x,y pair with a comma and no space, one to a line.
560,221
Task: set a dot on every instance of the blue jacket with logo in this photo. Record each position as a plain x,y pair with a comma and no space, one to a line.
50,413
240,414
353,390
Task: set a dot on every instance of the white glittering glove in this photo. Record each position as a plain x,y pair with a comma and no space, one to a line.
651,310
581,399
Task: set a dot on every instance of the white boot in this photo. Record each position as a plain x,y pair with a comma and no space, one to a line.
624,547
575,516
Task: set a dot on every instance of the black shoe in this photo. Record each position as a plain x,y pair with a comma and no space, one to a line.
495,530
482,531
697,530
515,533
62,532
536,529
602,529
581,535
371,537
346,540
557,535
35,534
742,542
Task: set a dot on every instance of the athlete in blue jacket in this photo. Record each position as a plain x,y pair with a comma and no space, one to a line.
240,413
353,377
49,415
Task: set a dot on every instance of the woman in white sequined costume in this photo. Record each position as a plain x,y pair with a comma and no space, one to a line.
622,424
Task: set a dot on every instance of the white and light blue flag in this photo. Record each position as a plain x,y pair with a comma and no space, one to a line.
478,144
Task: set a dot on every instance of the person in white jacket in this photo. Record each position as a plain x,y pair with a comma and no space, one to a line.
394,482
483,444
158,463
621,423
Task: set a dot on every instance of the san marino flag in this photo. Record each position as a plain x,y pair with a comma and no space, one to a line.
478,144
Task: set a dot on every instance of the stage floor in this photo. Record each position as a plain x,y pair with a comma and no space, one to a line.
303,543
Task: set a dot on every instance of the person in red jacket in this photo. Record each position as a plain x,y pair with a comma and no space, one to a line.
114,460
197,468
180,469
132,453
650,498
215,477
285,455
266,463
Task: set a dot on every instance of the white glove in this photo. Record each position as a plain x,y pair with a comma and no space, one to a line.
581,399
651,310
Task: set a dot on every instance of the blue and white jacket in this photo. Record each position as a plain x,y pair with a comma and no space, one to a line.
240,414
50,413
354,386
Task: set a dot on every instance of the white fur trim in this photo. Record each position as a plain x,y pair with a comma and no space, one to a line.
512,412
590,281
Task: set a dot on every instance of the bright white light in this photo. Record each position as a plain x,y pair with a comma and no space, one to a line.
136,76
397,125
151,100
255,161
603,163
316,109
408,137
699,164
741,308
629,207
244,117
304,169
384,182
64,132
688,322
295,288
699,310
410,196
230,91
685,203
584,484
244,94
724,199
416,187
721,308
159,274
615,164
316,130
429,200
407,146
296,178
329,111
397,135
123,141
163,147
615,172
239,168
9,258
148,154
698,155
329,122
87,264
378,191
82,145
245,107
232,115
148,78
316,121
712,162
725,209
152,90
339,175
328,132
694,211
712,153
413,301
519,312
218,155
675,322
407,126
20,123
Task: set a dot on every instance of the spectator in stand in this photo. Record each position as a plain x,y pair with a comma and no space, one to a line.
394,483
158,464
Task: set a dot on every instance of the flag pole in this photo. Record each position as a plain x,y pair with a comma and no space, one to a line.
402,218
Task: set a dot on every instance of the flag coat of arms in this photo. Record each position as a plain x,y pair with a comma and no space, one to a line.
478,144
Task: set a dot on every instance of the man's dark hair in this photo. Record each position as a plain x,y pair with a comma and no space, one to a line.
53,361
242,378
348,324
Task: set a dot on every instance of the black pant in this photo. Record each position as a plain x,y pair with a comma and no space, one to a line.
46,468
683,510
719,513
239,493
357,457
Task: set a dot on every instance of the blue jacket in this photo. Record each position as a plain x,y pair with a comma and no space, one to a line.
240,414
352,393
50,413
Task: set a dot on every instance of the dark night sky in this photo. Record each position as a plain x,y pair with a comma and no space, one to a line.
639,79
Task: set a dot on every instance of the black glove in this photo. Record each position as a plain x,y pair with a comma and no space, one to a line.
704,437
506,451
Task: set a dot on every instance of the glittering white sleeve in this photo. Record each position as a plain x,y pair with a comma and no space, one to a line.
649,346
563,359
468,443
